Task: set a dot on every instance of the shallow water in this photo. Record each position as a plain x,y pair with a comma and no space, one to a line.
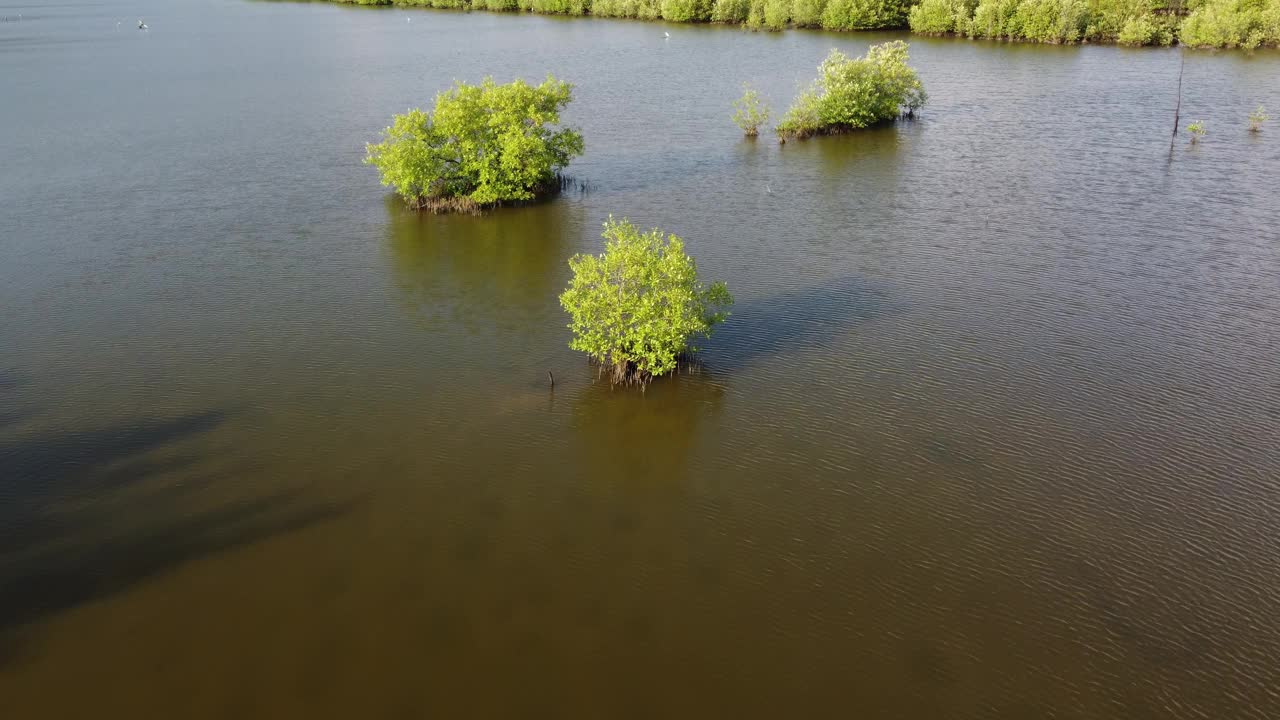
992,432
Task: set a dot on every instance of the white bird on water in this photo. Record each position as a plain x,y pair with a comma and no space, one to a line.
666,34
142,25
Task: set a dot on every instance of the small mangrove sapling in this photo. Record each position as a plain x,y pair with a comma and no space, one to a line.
1256,118
750,112
1197,131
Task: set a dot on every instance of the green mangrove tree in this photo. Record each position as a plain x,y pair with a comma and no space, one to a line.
850,94
637,308
482,145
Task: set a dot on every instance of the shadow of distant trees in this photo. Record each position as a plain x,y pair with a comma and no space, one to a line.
64,540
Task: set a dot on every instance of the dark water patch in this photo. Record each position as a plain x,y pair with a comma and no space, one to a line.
795,321
59,554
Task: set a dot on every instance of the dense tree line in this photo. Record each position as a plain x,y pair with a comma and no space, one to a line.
1198,23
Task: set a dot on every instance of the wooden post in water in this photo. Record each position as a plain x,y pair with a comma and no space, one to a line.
553,378
1177,109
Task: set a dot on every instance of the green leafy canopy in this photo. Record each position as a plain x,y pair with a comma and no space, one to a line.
638,306
481,145
852,94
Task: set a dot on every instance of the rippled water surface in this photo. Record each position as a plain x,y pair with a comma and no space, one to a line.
992,432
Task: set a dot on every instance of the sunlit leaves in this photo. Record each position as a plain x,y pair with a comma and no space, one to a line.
851,94
483,144
639,305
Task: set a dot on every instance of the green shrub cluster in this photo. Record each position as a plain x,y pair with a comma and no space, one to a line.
642,9
481,145
1210,23
730,11
852,94
686,10
636,308
1213,23
1233,23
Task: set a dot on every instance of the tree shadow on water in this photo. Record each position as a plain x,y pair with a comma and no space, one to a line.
87,514
806,318
631,434
478,272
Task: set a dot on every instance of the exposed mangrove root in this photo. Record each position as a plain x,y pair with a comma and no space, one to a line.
556,186
805,133
627,373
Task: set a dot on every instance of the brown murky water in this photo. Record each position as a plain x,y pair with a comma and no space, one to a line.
992,433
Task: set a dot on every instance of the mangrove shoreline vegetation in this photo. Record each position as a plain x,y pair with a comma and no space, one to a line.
637,308
481,146
854,94
1196,23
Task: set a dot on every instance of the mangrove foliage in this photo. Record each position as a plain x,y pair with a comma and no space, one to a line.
851,94
637,308
482,145
1197,23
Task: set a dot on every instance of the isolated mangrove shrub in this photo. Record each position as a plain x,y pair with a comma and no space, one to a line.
1108,18
686,10
865,14
730,11
481,145
852,94
1197,23
639,306
609,8
1197,130
1257,118
750,112
768,14
807,13
648,9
